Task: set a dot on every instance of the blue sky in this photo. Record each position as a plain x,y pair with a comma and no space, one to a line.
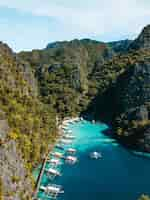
30,24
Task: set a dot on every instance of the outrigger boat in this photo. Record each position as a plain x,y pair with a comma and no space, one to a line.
81,118
69,136
52,190
53,172
71,159
71,122
54,161
59,146
95,155
71,150
65,127
57,154
65,141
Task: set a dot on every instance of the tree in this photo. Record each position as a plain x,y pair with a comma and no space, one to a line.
1,189
144,197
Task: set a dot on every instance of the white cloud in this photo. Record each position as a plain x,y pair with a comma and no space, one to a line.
104,19
91,16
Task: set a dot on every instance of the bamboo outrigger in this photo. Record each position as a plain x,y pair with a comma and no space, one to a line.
52,190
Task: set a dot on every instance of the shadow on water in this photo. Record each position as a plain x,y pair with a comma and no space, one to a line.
139,154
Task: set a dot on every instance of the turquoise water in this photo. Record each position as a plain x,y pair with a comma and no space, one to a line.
119,175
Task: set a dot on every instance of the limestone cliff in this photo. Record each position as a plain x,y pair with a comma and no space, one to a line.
27,126
66,79
143,40
15,181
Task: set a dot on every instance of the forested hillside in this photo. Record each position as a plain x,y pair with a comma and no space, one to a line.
63,71
27,125
124,88
109,81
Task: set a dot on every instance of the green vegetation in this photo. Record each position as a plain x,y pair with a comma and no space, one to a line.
63,71
71,74
105,74
133,105
34,86
15,179
62,80
32,123
1,189
144,197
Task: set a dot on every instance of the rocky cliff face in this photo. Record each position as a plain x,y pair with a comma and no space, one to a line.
132,104
27,126
131,94
143,41
133,86
13,174
66,78
124,92
15,181
120,71
63,70
33,86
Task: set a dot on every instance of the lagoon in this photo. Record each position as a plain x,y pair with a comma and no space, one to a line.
118,175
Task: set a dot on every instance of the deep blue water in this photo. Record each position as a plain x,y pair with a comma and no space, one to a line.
119,175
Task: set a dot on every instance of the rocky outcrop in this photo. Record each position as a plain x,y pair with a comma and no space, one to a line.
13,174
14,178
15,182
25,123
64,69
143,40
81,56
5,50
125,95
132,98
133,86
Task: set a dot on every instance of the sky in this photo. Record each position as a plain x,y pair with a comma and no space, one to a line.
32,24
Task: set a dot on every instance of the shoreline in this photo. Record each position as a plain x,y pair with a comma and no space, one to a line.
61,131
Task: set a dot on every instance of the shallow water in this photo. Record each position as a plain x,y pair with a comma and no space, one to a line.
118,175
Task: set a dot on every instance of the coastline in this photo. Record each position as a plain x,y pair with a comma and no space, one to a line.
63,129
61,132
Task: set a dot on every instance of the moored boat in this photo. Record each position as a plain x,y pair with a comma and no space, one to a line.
57,154
71,159
65,141
95,155
69,136
52,189
53,172
71,150
54,161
